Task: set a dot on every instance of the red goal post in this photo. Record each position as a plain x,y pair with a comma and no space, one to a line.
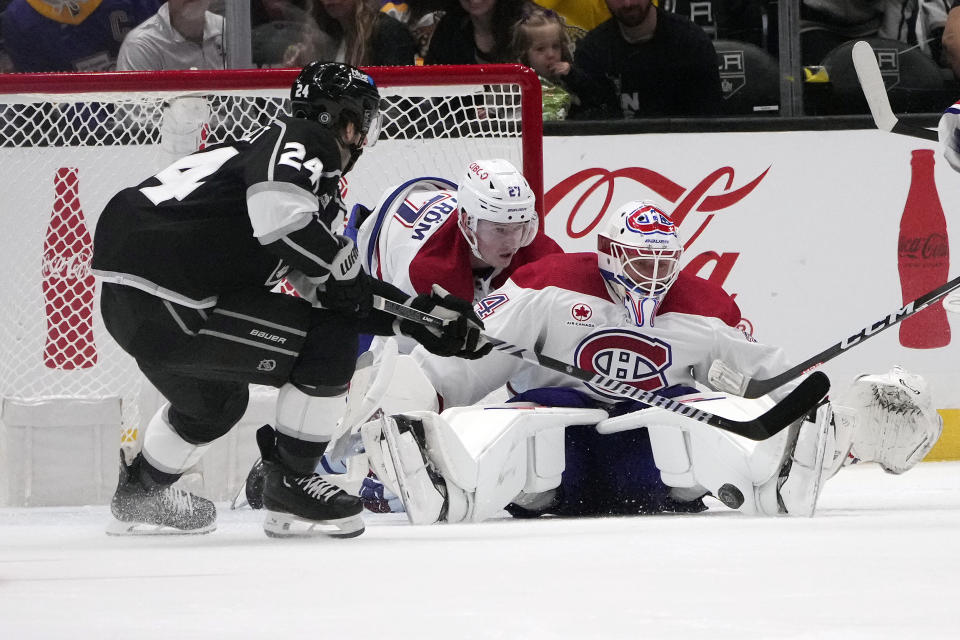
68,142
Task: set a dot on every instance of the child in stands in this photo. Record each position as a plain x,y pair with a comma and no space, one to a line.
540,41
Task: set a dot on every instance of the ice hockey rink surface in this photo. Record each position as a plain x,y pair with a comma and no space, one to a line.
879,560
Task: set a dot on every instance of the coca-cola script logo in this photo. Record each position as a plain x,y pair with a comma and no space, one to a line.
935,245
687,200
74,266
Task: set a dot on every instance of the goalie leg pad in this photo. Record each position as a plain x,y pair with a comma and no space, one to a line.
695,458
797,487
397,457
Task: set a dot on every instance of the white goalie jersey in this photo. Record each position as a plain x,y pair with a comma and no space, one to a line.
561,306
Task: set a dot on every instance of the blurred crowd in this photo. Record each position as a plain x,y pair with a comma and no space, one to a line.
597,59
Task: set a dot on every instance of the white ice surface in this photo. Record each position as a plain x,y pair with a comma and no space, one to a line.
880,560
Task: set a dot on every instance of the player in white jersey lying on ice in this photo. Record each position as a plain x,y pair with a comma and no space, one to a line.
640,320
429,231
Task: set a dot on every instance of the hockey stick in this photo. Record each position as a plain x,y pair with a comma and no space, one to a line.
868,72
725,379
797,404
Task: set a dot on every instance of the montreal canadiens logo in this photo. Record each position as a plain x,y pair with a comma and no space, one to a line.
635,359
581,312
649,219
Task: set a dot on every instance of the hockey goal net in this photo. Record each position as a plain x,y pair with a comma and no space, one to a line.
68,142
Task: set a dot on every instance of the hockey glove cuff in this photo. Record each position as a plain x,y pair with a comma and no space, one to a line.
347,288
461,332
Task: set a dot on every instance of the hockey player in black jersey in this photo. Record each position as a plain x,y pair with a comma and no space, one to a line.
188,258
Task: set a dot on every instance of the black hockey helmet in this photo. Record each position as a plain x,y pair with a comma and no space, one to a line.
333,93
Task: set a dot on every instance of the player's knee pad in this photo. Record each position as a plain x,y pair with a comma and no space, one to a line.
309,415
165,449
893,419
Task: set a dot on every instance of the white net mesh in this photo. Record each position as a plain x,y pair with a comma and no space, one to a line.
64,155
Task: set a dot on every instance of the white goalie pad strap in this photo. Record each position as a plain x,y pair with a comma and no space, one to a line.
165,449
896,424
306,417
670,455
546,461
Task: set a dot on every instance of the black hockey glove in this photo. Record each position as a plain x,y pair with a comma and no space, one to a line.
460,335
347,289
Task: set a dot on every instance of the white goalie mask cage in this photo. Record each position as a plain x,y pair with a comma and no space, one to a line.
639,256
496,191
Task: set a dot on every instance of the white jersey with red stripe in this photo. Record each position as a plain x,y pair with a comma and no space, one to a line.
404,220
948,132
560,305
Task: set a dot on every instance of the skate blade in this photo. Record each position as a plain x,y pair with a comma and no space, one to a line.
284,525
240,500
120,528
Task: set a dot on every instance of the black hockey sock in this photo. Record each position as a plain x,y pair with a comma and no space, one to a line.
149,476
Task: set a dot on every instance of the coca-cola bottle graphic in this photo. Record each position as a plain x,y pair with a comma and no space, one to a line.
923,256
68,285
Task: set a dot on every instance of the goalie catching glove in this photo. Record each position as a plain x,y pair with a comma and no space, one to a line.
461,332
347,288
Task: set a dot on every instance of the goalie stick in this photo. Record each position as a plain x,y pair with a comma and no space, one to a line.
871,81
793,407
723,378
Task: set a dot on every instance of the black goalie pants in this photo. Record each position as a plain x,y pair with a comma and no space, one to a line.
202,360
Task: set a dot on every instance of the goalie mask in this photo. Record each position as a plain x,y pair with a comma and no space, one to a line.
333,94
639,256
496,192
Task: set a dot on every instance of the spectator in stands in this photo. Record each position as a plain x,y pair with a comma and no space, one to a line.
355,32
80,35
183,34
475,32
421,18
951,39
826,24
276,26
579,16
541,42
645,62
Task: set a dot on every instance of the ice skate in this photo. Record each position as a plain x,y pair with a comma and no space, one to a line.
304,505
139,510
